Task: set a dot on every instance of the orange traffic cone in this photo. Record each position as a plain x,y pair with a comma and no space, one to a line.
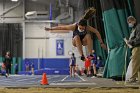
44,79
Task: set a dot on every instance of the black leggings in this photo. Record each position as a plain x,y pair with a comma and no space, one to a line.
81,37
8,69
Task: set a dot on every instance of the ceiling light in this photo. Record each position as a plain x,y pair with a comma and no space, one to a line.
14,0
34,0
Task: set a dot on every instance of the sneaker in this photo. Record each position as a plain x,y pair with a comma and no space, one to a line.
6,75
131,81
83,58
95,75
87,75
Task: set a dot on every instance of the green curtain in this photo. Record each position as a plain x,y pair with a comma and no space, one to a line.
115,13
11,40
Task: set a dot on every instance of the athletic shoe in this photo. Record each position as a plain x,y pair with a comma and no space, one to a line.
83,58
93,77
131,82
6,75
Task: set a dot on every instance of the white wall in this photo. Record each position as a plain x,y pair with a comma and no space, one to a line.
35,43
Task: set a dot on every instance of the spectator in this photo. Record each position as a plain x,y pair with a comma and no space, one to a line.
88,65
134,43
27,66
94,62
96,65
3,70
72,65
32,68
7,62
16,68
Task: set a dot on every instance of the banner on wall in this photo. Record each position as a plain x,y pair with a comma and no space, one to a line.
59,47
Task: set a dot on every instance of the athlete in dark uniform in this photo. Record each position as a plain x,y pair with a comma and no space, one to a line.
72,65
80,35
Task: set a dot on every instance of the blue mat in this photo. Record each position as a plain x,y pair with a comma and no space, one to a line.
48,71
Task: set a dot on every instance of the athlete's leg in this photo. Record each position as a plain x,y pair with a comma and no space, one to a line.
74,71
70,71
88,71
77,43
87,41
94,69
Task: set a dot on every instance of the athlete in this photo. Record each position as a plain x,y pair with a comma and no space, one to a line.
81,35
72,65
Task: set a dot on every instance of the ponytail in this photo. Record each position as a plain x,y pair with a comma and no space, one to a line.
89,13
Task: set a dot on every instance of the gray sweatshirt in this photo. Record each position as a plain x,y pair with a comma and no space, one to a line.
134,39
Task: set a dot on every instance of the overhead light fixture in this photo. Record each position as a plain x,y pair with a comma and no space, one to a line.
34,0
14,0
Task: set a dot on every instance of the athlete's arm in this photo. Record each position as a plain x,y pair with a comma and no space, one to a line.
91,29
65,27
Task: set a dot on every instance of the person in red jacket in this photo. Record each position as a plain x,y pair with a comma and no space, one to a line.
3,70
88,65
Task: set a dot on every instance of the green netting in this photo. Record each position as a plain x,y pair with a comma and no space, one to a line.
14,61
19,63
13,65
116,29
1,62
99,51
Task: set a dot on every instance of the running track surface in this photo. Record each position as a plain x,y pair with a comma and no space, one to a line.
34,80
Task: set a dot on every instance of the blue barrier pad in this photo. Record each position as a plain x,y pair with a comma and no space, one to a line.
48,71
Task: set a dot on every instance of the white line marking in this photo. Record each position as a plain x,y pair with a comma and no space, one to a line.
27,79
81,78
64,78
73,84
